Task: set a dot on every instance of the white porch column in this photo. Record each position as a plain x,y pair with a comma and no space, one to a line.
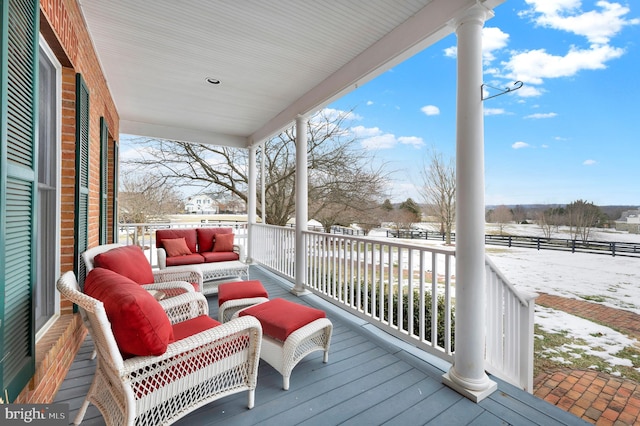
302,213
251,201
467,375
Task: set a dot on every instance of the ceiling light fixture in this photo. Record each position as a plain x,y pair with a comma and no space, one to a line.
212,80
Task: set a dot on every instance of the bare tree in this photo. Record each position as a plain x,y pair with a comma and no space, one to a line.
549,220
142,198
439,190
501,215
519,214
340,171
582,216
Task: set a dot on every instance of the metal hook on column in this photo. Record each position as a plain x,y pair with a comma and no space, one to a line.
516,85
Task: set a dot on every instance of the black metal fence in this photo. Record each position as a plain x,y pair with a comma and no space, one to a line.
613,248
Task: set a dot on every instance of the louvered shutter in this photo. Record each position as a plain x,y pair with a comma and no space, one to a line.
116,150
104,180
82,177
18,190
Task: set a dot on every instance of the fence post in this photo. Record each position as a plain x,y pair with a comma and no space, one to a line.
613,249
573,246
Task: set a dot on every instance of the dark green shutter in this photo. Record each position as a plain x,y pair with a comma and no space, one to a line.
18,191
116,150
82,177
104,179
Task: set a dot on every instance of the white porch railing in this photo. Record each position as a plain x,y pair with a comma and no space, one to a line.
365,276
144,234
275,248
509,338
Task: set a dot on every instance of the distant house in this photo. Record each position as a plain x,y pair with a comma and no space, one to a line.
201,204
629,221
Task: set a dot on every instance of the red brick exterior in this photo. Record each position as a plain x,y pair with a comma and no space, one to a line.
63,28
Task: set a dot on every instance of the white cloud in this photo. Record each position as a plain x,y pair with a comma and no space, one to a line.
519,145
374,138
545,145
598,26
369,103
533,66
365,132
385,141
494,111
430,110
332,114
451,52
589,162
542,115
493,39
415,141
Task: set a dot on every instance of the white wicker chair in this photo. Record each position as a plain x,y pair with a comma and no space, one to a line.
164,280
155,390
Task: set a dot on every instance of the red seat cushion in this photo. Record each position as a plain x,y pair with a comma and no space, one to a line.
193,326
189,259
280,318
140,326
206,237
240,290
129,261
169,234
219,256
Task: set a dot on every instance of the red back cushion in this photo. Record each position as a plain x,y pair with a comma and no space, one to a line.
169,234
206,236
129,261
223,242
140,326
280,318
176,247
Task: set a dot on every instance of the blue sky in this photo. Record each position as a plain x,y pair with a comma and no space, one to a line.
571,132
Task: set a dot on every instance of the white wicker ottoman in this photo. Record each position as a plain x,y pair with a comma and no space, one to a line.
290,332
238,295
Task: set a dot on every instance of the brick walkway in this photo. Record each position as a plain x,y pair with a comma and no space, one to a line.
595,397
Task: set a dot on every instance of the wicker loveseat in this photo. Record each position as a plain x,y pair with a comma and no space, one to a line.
194,246
157,365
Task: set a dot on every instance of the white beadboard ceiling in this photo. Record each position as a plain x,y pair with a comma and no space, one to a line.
275,59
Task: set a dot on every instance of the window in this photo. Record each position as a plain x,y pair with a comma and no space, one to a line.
47,263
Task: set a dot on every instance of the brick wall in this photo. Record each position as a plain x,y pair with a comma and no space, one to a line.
62,26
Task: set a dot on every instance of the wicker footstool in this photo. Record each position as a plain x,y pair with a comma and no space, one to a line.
289,333
239,295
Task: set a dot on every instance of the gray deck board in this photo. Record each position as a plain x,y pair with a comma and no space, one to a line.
370,379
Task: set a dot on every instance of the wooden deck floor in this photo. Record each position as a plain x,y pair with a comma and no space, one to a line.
371,379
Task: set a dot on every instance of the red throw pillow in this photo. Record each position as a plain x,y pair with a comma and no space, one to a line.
129,261
140,326
176,247
206,237
223,242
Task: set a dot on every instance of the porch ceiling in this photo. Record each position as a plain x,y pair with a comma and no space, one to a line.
275,59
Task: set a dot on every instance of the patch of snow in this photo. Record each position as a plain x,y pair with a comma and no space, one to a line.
601,341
